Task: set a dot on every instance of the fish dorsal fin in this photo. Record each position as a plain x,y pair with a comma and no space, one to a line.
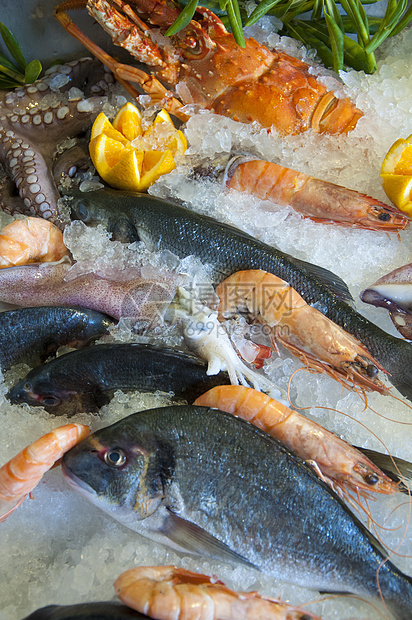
334,283
196,540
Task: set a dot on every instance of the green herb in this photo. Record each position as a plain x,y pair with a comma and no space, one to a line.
16,72
340,30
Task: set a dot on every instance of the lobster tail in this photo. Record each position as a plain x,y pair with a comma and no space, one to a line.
333,115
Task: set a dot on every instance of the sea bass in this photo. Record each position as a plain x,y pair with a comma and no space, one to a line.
163,225
207,483
86,380
30,335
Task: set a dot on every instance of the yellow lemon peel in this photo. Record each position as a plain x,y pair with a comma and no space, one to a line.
128,158
396,174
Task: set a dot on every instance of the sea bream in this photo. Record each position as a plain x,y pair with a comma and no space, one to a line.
162,225
207,483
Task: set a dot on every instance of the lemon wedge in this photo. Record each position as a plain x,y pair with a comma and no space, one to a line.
128,158
128,122
396,174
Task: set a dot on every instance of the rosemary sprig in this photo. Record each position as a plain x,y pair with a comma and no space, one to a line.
340,30
17,72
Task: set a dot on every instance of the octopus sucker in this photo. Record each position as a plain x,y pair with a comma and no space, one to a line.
33,120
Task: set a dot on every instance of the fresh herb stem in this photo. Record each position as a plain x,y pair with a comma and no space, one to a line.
335,19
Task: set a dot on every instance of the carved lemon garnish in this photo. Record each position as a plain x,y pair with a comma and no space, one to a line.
126,157
396,174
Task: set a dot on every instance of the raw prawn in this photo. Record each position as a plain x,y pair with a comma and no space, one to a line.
336,461
31,240
23,472
171,593
319,200
308,334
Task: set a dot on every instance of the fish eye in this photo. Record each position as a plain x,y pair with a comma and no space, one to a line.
50,401
28,387
115,457
82,210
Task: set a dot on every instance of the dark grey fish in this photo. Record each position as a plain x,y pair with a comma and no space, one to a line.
31,335
86,611
205,482
163,225
85,380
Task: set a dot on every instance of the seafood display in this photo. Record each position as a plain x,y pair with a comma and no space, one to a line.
205,66
33,120
85,380
30,241
31,335
24,471
167,226
314,198
169,592
338,463
393,292
224,497
174,487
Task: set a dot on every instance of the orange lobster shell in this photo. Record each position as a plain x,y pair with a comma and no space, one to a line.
205,66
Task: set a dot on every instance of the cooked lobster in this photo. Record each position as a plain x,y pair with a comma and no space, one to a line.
204,65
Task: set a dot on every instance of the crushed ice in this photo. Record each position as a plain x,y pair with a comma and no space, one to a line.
58,548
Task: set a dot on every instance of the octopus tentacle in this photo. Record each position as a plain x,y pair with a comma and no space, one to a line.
34,119
29,171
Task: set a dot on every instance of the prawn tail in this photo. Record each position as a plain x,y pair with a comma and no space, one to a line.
31,240
23,472
360,371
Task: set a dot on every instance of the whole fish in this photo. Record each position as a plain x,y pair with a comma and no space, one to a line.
163,225
40,284
205,482
86,611
30,335
86,380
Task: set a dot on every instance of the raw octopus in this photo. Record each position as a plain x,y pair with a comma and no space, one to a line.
33,120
